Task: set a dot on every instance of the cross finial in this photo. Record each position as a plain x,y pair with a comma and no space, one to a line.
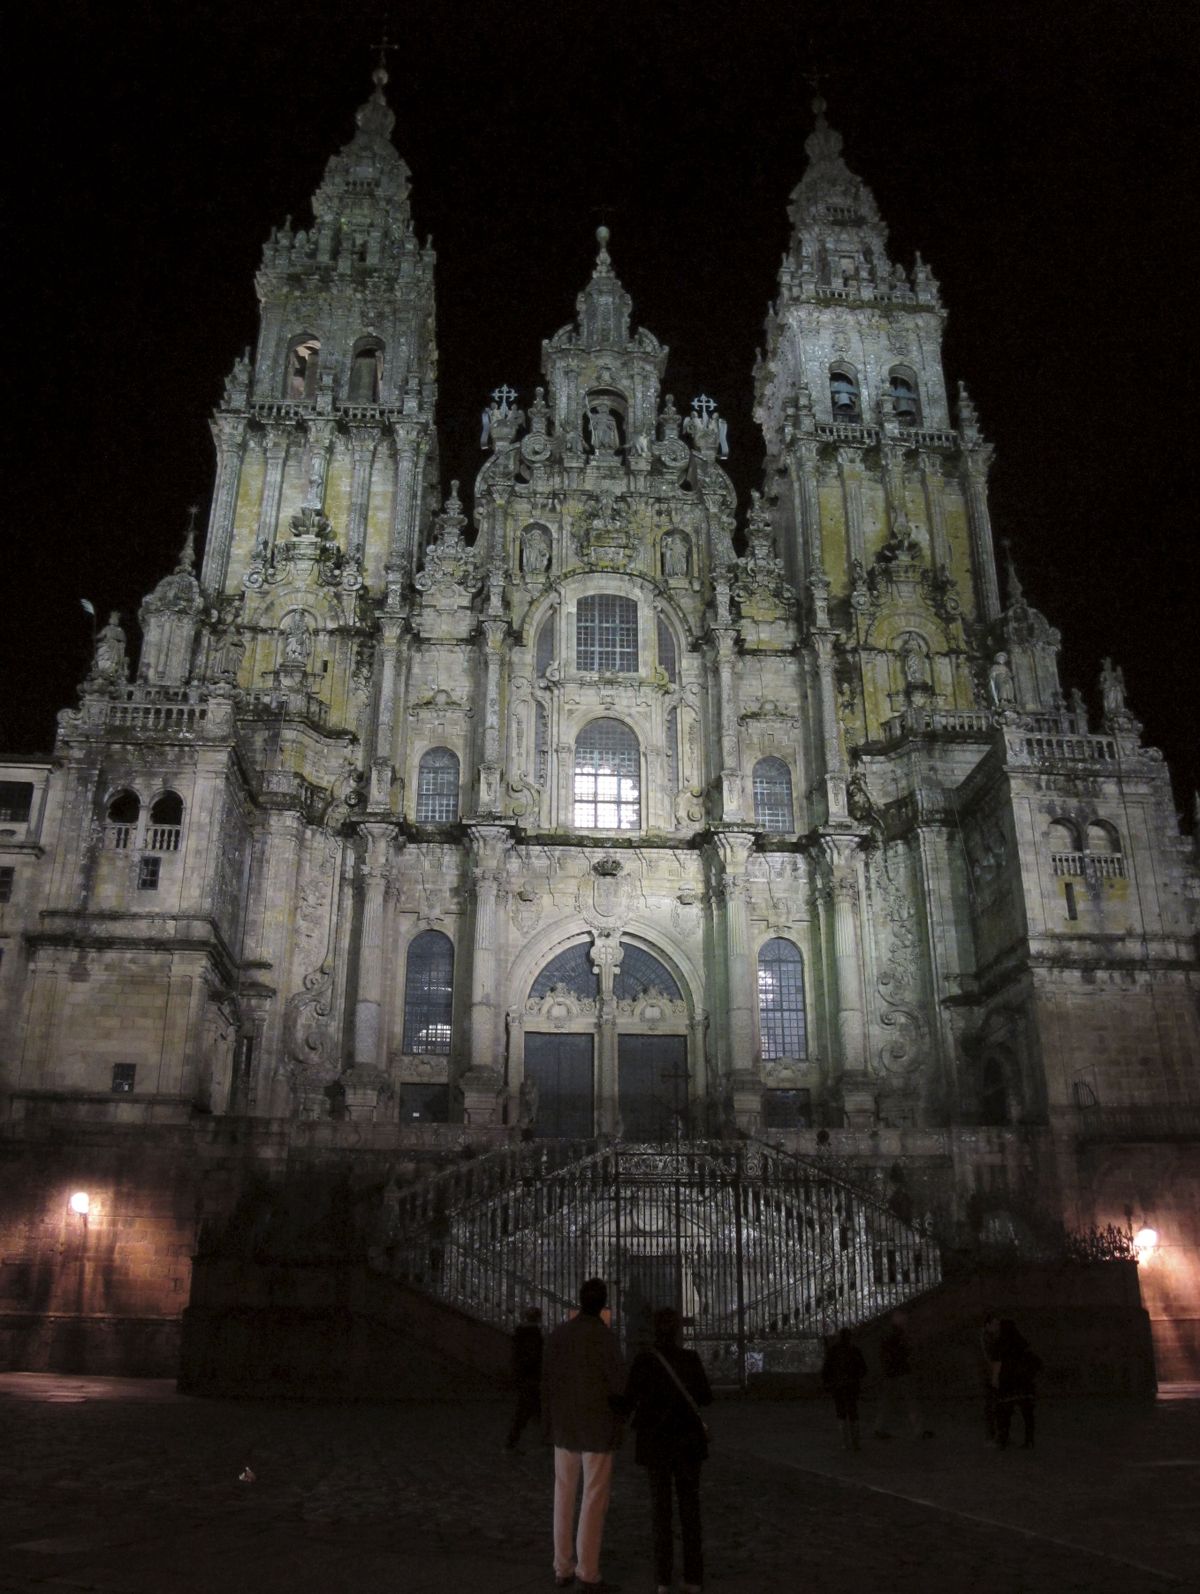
704,406
503,397
380,74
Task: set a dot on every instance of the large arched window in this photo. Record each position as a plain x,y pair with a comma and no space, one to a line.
607,777
773,796
428,994
1104,858
781,1020
437,787
366,371
123,813
606,634
843,393
166,823
300,373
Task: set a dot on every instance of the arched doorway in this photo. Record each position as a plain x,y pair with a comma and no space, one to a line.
606,1046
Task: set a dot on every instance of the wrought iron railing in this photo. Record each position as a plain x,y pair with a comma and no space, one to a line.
762,1252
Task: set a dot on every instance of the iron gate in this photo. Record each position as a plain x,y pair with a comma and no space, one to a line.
762,1253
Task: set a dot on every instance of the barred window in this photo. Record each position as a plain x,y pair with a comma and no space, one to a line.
572,969
437,787
607,777
543,647
773,795
781,1020
673,750
606,634
428,994
666,651
641,971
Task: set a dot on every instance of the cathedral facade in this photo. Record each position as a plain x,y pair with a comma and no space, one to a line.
612,806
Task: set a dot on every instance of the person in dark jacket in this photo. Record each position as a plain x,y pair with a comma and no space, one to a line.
989,1336
899,1399
1017,1370
665,1387
843,1371
527,1374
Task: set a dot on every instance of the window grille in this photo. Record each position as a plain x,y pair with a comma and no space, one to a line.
606,634
123,1076
148,872
641,971
607,777
673,750
437,787
666,651
428,994
541,744
773,796
781,1018
8,876
16,801
571,969
543,648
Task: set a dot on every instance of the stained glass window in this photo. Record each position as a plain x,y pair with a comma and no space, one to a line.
572,969
781,1020
437,787
773,795
606,634
640,971
428,994
607,777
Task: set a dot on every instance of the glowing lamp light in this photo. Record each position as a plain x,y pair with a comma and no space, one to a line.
1144,1242
80,1203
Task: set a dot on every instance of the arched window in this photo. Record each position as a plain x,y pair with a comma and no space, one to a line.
667,659
1104,857
573,970
906,406
641,971
166,823
844,394
543,647
123,812
366,371
428,994
300,372
1066,857
607,777
773,796
781,1021
606,634
437,787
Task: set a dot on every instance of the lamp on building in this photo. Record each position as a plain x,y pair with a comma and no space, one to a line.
1145,1242
80,1203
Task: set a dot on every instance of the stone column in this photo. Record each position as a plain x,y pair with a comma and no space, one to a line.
851,470
607,953
483,1081
391,647
804,461
272,494
974,478
840,850
320,445
824,637
229,435
894,487
492,635
362,445
731,760
733,849
935,509
368,1010
403,551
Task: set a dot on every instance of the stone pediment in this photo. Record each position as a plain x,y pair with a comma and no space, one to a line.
560,1007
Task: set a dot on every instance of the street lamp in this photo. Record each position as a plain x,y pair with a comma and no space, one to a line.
80,1202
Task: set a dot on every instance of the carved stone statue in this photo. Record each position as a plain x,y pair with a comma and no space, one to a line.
109,662
915,666
1001,686
1112,692
297,641
535,551
676,554
602,428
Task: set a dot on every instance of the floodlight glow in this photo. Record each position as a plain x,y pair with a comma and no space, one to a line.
80,1203
1144,1241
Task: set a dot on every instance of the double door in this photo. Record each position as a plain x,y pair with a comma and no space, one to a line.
652,1085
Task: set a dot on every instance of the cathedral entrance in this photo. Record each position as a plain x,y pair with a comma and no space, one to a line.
652,1079
560,1067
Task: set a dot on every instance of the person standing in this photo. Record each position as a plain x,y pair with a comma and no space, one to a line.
527,1374
899,1398
582,1382
1018,1367
989,1336
842,1374
667,1386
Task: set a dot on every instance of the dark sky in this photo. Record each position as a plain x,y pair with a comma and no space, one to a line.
1042,157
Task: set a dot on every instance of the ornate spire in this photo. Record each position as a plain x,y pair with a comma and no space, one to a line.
829,198
366,183
187,554
604,307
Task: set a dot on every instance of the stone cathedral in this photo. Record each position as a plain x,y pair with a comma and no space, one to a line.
582,799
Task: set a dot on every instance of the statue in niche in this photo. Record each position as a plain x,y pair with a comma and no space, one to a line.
535,551
602,428
109,661
1112,691
231,650
1001,685
297,642
915,665
676,554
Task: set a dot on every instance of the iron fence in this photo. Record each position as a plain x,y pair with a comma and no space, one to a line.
762,1253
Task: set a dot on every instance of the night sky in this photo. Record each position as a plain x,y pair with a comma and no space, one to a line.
1041,156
